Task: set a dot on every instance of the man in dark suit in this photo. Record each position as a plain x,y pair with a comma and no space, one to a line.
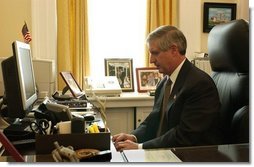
191,112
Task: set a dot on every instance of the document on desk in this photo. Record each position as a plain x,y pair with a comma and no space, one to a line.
150,155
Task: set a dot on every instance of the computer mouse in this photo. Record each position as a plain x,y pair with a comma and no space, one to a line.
89,117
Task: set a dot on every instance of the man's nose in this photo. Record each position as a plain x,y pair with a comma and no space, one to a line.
152,59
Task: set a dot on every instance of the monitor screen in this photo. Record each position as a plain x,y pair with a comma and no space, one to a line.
19,82
26,75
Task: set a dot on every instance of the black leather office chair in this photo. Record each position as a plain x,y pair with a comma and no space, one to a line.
228,50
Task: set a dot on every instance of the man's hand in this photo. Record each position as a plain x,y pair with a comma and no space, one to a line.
126,145
122,137
125,141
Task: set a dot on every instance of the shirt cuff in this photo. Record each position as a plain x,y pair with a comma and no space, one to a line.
140,146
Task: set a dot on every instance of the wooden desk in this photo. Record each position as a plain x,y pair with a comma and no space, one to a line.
41,150
29,156
220,153
116,156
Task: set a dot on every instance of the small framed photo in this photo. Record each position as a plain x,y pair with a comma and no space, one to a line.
148,78
123,70
217,13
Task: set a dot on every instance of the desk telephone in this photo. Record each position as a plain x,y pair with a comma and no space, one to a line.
105,86
57,111
52,111
46,112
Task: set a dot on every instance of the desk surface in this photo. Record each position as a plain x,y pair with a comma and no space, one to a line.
220,153
29,155
43,145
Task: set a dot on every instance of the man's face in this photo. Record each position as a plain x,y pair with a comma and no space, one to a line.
163,60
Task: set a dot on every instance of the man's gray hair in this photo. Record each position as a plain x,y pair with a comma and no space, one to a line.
168,36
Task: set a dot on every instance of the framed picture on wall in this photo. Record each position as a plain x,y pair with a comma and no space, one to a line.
217,13
148,78
123,70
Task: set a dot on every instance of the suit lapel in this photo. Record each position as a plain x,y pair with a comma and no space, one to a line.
178,84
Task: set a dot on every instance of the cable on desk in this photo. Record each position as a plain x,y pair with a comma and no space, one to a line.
102,108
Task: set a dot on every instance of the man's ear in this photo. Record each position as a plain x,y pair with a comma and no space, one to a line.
174,49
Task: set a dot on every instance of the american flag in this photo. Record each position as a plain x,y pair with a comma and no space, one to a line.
26,34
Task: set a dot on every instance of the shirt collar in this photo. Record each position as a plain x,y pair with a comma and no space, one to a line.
174,75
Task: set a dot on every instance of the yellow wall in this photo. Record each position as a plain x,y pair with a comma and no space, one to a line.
12,16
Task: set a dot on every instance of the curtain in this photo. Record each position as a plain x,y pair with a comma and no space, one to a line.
72,39
160,12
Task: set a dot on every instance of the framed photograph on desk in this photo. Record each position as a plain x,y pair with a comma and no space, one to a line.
123,70
217,13
147,78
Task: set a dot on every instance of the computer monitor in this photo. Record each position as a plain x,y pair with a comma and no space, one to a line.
19,81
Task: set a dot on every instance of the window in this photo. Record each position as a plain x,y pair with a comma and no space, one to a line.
116,30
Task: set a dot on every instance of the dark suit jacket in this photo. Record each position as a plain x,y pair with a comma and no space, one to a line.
193,112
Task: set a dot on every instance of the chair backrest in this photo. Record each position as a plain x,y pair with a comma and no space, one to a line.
228,50
240,126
